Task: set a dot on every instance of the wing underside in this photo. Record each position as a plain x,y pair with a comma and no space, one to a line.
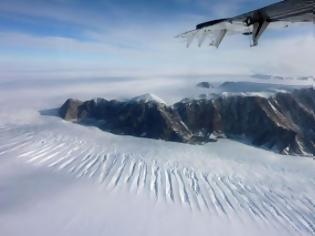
253,23
213,35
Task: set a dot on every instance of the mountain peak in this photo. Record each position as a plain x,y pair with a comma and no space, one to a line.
148,97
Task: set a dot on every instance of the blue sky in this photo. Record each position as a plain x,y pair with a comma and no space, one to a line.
137,37
71,18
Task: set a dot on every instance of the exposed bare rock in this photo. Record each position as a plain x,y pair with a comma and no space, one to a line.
284,122
70,109
205,85
138,117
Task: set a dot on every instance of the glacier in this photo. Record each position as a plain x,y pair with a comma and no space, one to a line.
61,178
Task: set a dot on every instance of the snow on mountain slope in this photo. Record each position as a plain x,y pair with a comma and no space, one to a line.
59,178
148,97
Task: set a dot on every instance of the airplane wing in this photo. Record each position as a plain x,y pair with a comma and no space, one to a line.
253,23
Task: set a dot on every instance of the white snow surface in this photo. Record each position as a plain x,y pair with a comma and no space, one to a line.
60,178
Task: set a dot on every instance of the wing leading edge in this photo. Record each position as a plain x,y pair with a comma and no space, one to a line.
253,23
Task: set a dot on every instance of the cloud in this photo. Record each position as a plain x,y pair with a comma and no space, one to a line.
157,54
128,47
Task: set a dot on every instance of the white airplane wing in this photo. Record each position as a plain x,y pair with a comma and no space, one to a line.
214,34
253,23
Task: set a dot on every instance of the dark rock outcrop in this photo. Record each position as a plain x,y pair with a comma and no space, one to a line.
70,109
284,122
141,118
205,85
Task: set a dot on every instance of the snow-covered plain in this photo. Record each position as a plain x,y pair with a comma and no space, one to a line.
59,178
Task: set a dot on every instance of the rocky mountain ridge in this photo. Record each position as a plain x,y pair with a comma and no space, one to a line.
284,122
